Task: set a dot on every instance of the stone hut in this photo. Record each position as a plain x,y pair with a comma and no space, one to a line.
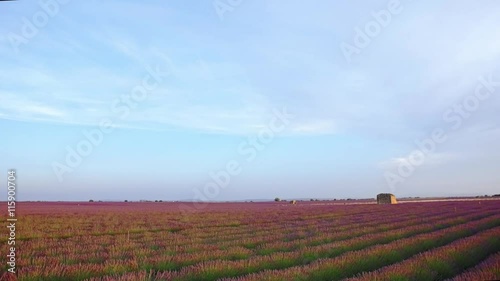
386,198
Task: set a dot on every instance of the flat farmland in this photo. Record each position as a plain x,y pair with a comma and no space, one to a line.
258,241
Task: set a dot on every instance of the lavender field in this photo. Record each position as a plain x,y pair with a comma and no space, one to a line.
259,241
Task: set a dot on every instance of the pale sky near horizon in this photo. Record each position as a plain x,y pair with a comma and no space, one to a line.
219,73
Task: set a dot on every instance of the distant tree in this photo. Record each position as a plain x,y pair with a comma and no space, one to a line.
126,201
277,199
91,200
160,201
311,199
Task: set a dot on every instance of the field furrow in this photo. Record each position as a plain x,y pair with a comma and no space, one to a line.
443,262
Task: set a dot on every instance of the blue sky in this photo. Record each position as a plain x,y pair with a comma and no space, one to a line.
219,72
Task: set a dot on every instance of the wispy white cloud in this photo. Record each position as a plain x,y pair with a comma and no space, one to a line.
15,106
230,82
43,110
314,127
432,159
